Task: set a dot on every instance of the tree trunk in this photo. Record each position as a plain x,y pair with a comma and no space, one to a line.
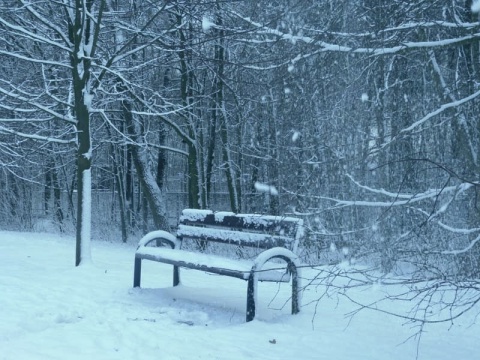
57,198
186,93
83,33
221,110
48,188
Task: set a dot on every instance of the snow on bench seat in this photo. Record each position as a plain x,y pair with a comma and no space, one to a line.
212,263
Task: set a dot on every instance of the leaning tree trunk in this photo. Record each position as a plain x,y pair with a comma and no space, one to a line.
153,193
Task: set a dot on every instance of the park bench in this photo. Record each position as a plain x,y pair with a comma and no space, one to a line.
271,237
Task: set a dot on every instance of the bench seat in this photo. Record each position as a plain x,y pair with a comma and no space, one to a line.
214,264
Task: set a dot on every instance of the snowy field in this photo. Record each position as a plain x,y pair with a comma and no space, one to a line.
51,310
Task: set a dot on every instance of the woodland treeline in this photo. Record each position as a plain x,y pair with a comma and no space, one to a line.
360,116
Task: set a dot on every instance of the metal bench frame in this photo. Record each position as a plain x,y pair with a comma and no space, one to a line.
276,236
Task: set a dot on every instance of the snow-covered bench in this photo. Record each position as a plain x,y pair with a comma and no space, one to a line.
275,237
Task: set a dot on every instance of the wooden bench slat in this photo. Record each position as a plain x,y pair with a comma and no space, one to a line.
263,241
278,225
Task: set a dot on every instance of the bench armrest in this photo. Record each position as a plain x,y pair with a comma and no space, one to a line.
160,235
293,267
276,253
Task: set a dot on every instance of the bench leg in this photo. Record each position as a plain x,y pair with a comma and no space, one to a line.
176,275
137,272
251,297
295,289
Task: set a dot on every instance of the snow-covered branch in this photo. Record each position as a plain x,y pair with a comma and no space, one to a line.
47,23
36,137
464,250
441,109
323,46
394,195
34,104
129,141
21,32
35,60
405,199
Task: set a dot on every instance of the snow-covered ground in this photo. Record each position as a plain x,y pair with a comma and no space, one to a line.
51,310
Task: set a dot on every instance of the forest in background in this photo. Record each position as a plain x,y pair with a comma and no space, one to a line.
360,116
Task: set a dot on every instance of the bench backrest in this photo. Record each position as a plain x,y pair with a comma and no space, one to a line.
251,230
